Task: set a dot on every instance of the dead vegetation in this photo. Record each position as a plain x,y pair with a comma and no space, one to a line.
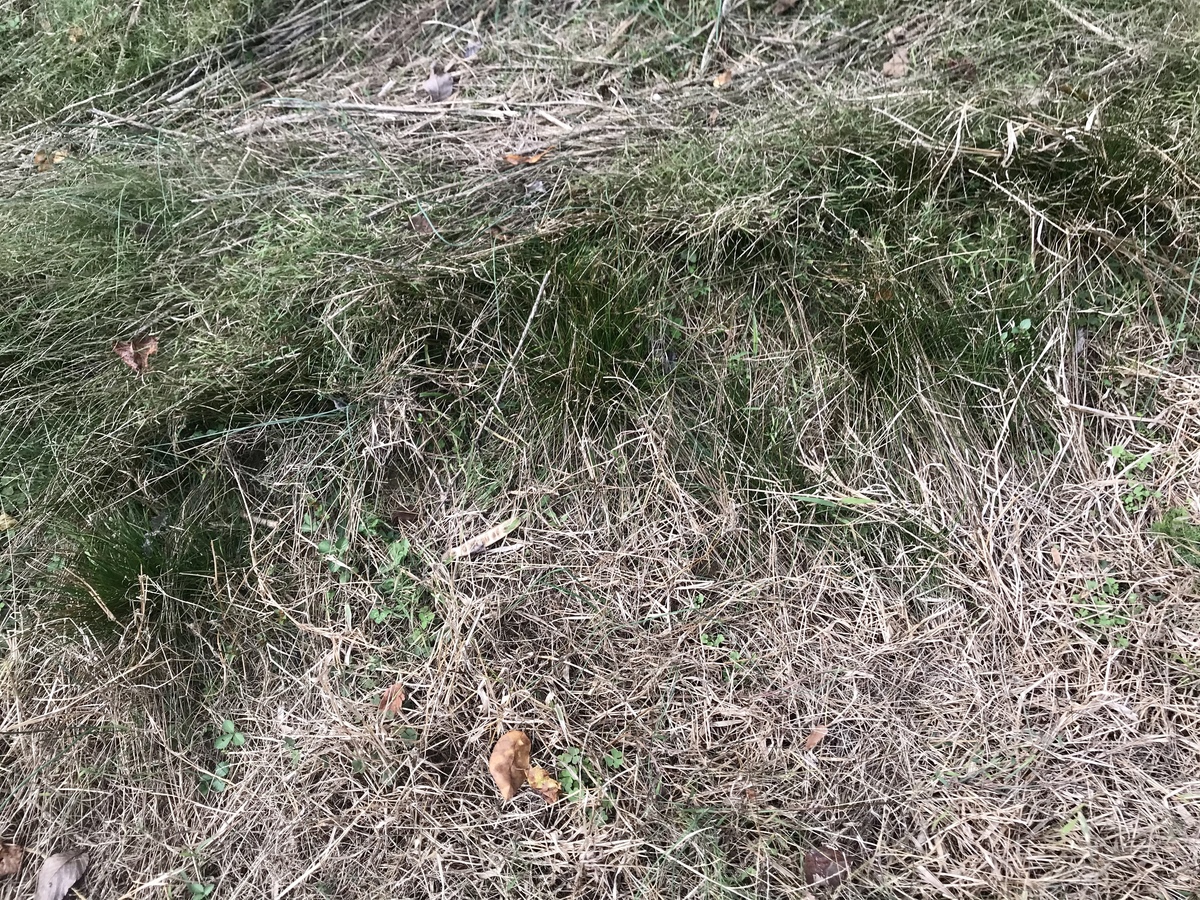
800,448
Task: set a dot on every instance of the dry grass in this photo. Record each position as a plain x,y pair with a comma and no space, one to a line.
749,363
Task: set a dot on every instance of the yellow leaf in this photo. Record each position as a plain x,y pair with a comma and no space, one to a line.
528,159
540,781
7,522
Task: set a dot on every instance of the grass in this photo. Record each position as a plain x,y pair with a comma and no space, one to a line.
806,389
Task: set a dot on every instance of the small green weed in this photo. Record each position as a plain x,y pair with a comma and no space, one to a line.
228,738
1136,495
614,758
1015,335
1104,609
199,890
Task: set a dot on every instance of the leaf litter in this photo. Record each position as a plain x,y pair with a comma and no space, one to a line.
484,540
136,353
10,859
528,159
392,699
59,873
511,769
815,737
439,86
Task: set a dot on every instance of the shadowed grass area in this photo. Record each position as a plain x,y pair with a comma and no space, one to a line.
824,399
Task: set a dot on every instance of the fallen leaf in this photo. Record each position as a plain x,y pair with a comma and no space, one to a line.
59,872
509,763
962,68
815,737
782,6
540,781
439,86
7,521
74,34
472,49
723,79
421,224
392,699
136,353
897,66
483,541
529,159
10,858
826,866
713,115
44,160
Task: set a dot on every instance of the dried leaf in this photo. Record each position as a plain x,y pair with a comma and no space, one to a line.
10,858
826,866
74,34
421,224
439,86
723,79
713,115
59,872
509,763
136,353
7,522
897,66
483,541
472,49
540,781
782,6
528,159
962,68
392,699
44,160
815,737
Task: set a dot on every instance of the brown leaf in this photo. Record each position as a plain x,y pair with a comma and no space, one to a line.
723,78
509,763
74,34
540,781
7,522
392,699
528,159
10,858
421,224
815,737
44,160
897,66
826,866
962,68
484,540
59,872
439,86
136,353
713,115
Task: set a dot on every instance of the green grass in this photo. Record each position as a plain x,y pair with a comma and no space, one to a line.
827,384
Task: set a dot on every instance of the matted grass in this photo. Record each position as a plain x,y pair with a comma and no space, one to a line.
826,399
